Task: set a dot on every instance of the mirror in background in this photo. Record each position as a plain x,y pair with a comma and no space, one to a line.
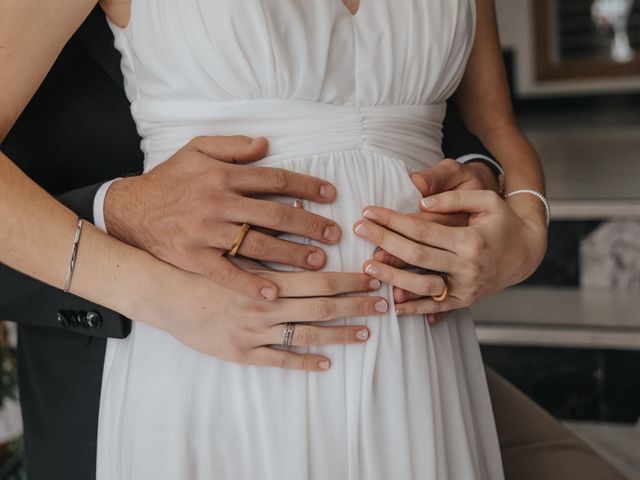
587,38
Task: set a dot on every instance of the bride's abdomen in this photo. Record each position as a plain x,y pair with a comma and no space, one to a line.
362,178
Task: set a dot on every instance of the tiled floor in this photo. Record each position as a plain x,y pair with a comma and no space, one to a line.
618,443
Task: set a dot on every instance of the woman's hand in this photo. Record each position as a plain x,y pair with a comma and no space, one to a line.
497,249
225,324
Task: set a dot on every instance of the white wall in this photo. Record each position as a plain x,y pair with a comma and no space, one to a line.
515,19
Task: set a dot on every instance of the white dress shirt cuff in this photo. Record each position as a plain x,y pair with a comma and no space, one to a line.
475,156
98,205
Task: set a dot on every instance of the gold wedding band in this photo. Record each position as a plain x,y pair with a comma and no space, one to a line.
233,251
445,294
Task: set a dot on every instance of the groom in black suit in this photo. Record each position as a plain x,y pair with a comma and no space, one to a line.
77,131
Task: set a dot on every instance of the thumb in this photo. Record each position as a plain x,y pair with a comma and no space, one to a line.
468,201
231,149
444,176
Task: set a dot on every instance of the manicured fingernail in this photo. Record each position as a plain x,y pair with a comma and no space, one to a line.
375,284
268,293
370,215
331,233
324,365
371,270
297,203
381,307
361,230
427,202
315,259
362,334
327,191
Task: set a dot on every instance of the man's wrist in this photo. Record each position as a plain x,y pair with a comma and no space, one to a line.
490,163
99,203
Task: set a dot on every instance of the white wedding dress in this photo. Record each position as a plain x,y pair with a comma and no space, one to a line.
357,100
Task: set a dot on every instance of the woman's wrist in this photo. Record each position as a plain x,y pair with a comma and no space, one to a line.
125,279
531,212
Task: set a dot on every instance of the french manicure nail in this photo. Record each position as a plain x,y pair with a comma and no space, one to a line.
362,334
331,233
315,259
369,215
375,284
427,202
324,365
269,293
381,307
371,270
362,230
327,191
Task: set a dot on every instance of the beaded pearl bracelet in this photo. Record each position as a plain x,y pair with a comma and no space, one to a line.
541,197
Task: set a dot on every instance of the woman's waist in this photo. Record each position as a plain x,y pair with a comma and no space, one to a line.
295,128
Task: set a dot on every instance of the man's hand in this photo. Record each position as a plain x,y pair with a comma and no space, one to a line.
188,210
222,323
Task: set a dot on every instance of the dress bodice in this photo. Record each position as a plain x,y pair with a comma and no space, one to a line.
225,50
202,66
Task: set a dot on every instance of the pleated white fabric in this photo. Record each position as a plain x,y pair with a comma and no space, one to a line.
358,100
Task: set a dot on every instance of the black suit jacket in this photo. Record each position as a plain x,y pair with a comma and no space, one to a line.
76,133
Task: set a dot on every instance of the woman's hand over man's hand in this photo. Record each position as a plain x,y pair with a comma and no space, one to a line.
465,229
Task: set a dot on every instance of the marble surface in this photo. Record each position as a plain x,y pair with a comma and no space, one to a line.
610,258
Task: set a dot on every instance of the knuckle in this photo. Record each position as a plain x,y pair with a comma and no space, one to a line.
277,215
416,257
277,179
426,287
306,336
308,363
297,255
417,231
197,141
324,310
474,244
452,165
256,245
314,226
327,285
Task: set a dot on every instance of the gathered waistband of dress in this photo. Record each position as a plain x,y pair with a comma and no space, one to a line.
294,128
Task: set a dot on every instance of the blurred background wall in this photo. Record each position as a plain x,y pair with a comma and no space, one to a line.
570,336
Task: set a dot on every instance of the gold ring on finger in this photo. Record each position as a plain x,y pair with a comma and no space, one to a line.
445,294
237,241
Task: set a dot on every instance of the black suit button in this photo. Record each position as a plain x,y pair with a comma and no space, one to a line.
82,319
94,320
63,318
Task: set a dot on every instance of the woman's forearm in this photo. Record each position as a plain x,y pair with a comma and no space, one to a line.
485,106
36,237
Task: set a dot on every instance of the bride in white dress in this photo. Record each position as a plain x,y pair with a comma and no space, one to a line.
357,99
351,93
